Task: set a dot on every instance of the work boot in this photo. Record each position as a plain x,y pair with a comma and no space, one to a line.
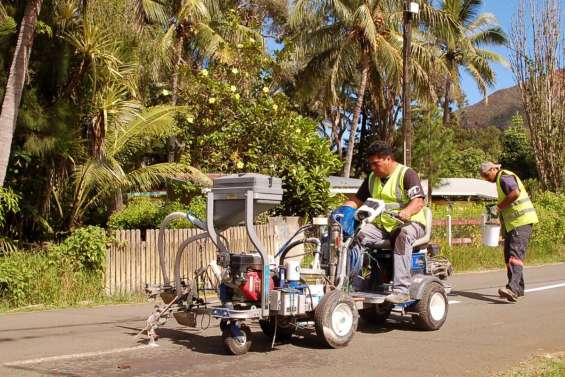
508,294
397,298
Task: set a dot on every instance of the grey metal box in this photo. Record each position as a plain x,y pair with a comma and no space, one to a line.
230,193
239,184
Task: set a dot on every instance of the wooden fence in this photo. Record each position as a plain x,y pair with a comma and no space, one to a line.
133,261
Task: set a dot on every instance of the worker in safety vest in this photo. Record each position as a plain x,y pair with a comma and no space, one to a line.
395,184
518,215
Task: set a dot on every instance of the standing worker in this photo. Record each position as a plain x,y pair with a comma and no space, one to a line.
393,183
518,216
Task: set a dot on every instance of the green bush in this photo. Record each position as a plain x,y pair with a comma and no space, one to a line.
145,213
139,213
85,248
550,208
63,274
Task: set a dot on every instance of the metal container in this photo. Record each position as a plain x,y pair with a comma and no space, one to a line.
230,193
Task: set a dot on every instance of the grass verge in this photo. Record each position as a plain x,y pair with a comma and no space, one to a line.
550,365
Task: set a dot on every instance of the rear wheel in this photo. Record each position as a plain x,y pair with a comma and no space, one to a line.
237,338
336,319
376,314
432,308
284,329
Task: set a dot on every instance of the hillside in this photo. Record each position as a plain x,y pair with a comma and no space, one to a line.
501,106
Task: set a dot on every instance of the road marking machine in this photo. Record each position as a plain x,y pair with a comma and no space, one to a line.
280,292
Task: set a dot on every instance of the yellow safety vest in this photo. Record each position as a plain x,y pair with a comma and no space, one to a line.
392,192
521,211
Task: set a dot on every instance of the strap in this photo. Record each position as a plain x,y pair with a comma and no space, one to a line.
371,183
400,185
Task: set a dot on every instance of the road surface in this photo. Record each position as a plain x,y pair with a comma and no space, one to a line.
483,335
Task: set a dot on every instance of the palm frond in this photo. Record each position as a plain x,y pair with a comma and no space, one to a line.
155,122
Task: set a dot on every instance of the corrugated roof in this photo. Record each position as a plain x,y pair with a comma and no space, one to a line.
448,187
452,187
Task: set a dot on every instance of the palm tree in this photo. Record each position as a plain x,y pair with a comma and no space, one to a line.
356,39
466,50
16,81
100,177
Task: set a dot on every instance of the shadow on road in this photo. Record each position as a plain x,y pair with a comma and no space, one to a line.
491,299
393,323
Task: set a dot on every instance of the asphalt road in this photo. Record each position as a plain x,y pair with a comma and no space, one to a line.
483,335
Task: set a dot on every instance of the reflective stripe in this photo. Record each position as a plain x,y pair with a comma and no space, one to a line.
519,201
400,185
513,215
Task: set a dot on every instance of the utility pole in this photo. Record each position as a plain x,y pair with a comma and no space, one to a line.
410,9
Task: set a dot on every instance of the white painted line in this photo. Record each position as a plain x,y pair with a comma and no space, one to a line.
451,302
544,288
74,356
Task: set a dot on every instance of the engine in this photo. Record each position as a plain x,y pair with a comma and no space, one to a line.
242,280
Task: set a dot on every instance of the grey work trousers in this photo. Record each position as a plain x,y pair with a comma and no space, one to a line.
403,239
515,244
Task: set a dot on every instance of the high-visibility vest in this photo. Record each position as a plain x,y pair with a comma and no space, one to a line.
521,211
392,192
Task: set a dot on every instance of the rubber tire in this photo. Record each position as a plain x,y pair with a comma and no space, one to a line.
376,314
424,320
232,345
323,319
283,332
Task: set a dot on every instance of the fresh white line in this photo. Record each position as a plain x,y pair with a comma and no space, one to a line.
544,288
74,356
451,302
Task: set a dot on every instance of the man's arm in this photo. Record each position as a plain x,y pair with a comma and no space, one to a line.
413,207
354,202
510,188
508,199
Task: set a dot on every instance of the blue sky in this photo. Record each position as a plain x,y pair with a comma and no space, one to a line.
504,11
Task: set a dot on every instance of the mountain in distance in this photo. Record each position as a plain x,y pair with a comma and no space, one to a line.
501,107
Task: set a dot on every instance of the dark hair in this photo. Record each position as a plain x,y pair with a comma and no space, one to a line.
379,148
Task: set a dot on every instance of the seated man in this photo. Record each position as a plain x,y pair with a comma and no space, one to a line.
393,183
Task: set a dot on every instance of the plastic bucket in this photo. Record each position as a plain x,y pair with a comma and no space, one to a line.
491,235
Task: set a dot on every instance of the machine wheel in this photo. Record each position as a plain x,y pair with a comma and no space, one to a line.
336,319
284,330
376,314
237,339
432,308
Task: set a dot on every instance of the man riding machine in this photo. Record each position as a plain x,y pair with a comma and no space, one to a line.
391,265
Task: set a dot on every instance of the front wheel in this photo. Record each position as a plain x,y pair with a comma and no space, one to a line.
336,319
237,338
432,308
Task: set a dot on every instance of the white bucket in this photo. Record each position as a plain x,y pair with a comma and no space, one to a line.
491,235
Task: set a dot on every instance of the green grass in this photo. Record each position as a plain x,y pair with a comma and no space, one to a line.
130,298
541,366
478,257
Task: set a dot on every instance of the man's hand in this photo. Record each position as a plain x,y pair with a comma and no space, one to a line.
404,215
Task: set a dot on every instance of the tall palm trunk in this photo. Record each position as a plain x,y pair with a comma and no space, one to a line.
447,101
16,81
356,114
174,95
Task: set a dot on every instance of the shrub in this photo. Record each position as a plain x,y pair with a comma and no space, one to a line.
144,213
139,213
63,274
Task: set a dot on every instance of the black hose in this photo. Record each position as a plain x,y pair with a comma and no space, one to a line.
294,244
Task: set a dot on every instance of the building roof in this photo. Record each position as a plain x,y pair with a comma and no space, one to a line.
448,187
342,185
457,187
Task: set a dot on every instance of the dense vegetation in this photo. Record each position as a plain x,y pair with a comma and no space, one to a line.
128,96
